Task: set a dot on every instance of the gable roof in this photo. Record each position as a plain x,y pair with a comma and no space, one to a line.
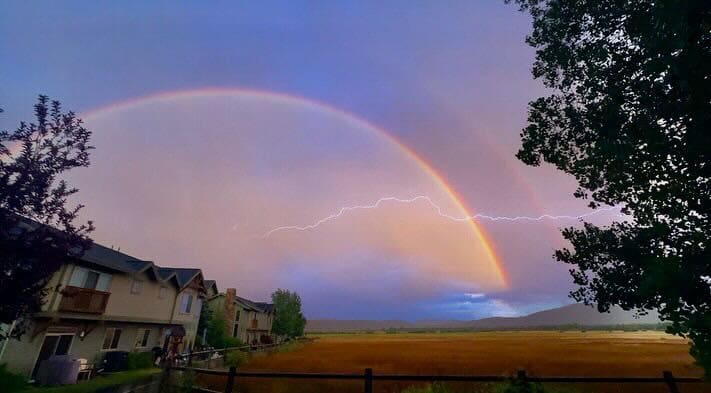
184,275
115,260
254,306
210,284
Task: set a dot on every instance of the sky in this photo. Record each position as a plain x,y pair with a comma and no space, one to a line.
216,123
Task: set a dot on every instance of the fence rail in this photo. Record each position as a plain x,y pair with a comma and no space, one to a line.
368,377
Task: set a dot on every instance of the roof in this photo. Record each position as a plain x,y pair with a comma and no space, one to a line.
267,307
210,284
255,306
117,261
121,262
113,259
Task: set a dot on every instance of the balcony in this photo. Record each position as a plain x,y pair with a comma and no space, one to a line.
83,300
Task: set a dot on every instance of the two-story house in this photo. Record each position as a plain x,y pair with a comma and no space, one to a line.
244,319
108,301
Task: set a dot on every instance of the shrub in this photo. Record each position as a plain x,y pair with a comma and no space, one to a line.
186,382
434,388
232,342
519,386
137,360
11,382
235,358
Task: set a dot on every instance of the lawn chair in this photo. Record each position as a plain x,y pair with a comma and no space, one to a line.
86,369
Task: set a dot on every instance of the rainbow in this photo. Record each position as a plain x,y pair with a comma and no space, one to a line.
427,167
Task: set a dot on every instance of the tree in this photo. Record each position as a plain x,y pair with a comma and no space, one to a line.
215,325
288,319
629,118
37,229
206,314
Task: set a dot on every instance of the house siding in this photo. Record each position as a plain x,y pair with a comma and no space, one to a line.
227,305
22,354
188,320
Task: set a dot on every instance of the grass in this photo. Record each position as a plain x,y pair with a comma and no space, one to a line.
492,388
540,353
98,382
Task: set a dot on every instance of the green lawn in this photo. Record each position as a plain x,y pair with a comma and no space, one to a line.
97,382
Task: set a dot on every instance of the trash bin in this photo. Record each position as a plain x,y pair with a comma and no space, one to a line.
115,361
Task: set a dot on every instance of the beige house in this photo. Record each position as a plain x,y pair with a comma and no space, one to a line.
244,319
108,301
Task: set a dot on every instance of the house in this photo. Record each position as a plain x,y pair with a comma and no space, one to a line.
211,289
245,319
108,301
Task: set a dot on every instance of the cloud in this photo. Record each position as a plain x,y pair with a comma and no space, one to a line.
205,198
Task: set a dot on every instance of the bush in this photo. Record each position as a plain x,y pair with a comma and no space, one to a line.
137,360
235,358
232,342
11,382
434,388
519,386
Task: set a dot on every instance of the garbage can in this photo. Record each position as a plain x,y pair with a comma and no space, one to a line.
115,361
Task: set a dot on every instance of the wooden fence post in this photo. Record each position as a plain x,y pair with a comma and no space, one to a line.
521,374
368,379
671,383
230,380
165,377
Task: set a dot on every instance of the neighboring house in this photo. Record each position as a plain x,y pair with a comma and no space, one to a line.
108,301
211,289
244,319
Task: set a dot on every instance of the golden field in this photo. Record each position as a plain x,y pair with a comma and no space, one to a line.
545,353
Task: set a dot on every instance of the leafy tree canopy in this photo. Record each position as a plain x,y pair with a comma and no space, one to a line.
629,117
288,319
32,160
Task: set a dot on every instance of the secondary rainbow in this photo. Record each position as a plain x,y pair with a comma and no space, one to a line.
346,116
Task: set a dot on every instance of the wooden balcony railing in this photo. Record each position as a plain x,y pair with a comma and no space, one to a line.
91,301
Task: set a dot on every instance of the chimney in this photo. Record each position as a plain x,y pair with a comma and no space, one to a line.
229,310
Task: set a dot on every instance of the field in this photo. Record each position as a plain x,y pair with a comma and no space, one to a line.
570,353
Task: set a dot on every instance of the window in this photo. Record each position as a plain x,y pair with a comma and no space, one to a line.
92,278
186,303
142,337
235,330
163,293
136,287
111,339
237,315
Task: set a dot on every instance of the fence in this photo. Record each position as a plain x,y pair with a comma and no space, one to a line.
368,377
212,356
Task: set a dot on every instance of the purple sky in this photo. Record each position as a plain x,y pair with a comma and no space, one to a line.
195,181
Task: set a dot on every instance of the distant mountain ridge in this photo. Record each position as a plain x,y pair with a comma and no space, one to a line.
573,314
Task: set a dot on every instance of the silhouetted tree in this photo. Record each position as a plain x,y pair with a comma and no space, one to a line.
629,117
31,160
288,319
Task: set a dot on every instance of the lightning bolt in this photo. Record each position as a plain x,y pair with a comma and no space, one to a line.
439,211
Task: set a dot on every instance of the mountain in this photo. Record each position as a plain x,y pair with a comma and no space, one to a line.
573,314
